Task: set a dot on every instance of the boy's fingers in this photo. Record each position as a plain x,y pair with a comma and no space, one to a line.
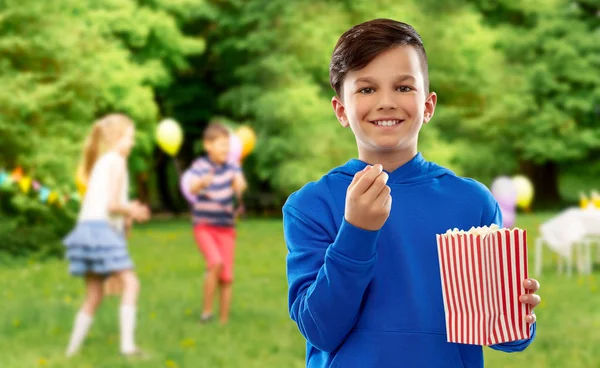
357,176
531,299
365,182
377,187
531,284
388,203
530,318
383,196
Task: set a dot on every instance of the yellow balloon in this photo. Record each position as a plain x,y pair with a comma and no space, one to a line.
25,184
248,138
169,136
80,184
524,191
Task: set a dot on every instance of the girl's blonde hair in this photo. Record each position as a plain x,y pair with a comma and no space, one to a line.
105,132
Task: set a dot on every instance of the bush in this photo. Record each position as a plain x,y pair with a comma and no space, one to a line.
29,227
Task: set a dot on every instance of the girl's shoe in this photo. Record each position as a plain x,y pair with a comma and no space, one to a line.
206,318
136,354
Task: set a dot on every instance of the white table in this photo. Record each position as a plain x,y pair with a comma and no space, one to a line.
571,234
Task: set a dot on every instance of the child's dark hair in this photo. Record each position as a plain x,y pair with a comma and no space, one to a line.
215,130
363,42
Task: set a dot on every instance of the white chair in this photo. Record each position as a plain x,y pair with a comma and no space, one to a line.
566,235
590,219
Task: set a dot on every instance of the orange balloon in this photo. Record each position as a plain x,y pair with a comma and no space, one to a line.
248,138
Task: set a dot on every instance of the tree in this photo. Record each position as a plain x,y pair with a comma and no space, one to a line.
548,114
56,80
163,39
283,85
65,63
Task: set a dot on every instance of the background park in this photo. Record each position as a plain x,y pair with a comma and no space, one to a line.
519,94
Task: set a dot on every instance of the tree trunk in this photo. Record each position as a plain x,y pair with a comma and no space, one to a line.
544,178
162,181
143,191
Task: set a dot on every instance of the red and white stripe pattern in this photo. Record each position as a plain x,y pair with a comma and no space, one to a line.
482,278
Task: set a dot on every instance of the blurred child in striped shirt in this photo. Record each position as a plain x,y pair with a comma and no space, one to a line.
218,186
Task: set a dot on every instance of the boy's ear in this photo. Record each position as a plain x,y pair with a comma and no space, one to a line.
340,111
430,103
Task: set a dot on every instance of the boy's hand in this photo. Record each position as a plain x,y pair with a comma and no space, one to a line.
208,178
368,200
198,184
532,299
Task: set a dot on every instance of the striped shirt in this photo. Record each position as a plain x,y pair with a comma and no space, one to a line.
214,203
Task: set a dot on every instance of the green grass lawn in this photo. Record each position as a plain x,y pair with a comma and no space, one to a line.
38,303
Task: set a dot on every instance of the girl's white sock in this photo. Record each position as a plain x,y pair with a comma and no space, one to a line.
80,330
127,321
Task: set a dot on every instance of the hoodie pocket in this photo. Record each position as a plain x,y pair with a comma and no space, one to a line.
374,349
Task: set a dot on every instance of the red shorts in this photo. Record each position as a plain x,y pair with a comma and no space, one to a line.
217,244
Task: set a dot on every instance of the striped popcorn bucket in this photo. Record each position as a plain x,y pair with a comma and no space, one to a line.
482,273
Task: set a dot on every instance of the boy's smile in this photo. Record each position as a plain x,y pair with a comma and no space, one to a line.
385,104
387,123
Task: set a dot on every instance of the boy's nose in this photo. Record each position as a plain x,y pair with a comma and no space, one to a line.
386,101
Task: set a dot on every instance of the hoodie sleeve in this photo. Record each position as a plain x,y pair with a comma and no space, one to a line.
493,215
327,277
518,345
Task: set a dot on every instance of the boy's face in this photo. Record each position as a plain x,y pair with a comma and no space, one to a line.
385,104
218,149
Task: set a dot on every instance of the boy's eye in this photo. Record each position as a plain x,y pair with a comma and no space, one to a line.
404,89
366,91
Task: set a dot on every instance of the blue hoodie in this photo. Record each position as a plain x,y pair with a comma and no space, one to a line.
373,298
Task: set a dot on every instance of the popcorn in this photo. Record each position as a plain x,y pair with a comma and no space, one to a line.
475,230
481,274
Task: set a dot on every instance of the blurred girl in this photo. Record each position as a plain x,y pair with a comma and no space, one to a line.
96,247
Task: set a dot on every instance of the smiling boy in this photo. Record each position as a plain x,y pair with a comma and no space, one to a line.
363,274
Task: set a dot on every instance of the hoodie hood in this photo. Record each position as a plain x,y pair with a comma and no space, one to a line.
416,170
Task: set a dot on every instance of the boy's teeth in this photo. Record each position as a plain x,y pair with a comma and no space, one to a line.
387,122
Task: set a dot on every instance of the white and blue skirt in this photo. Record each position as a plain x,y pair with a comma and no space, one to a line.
97,248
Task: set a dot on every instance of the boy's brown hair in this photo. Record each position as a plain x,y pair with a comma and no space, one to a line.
363,42
214,131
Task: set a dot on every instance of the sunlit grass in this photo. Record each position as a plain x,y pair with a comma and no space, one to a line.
39,301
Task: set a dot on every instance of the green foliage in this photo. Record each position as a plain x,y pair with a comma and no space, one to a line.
546,105
31,228
560,63
517,81
282,87
66,62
